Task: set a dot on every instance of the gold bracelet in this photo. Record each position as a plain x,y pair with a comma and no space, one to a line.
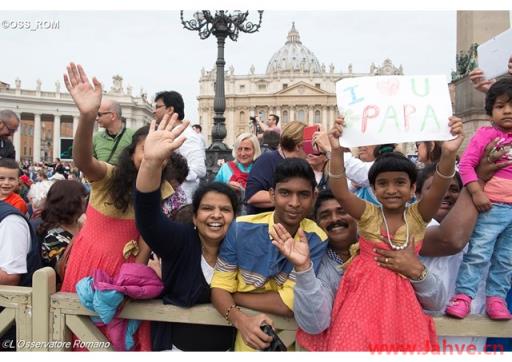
444,176
340,175
226,316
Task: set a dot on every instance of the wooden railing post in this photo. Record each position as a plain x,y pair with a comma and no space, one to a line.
43,286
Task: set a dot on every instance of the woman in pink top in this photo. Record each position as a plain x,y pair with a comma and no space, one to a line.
492,237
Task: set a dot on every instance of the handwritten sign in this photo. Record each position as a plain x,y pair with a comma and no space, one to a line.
493,55
394,109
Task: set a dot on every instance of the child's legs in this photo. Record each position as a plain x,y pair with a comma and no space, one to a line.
500,272
488,227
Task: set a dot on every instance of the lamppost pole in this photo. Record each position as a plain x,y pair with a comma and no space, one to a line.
219,102
222,24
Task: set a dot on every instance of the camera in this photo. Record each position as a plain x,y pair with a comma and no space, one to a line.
276,345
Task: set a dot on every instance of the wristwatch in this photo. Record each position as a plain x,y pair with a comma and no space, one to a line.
422,276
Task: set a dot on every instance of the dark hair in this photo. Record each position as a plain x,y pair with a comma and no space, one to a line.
172,99
198,126
270,139
498,89
9,163
434,149
392,162
176,169
124,174
429,171
323,196
276,117
63,204
184,214
382,149
218,187
7,149
292,168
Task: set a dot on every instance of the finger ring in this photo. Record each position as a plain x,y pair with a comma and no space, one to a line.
386,260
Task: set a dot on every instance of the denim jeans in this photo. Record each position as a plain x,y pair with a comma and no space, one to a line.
491,240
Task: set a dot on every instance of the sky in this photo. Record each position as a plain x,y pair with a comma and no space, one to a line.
151,49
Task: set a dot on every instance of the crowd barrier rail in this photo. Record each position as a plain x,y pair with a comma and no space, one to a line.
45,320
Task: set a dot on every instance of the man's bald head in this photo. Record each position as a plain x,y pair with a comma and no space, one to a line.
109,114
9,123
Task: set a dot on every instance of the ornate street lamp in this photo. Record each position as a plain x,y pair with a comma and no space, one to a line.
221,25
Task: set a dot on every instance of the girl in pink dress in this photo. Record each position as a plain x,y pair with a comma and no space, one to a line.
376,308
109,236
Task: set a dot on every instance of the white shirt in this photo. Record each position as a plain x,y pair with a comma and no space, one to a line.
447,269
207,270
357,170
14,244
194,152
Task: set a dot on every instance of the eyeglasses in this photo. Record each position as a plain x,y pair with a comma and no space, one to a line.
159,106
11,130
102,113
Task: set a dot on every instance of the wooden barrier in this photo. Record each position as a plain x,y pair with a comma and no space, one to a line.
17,304
46,319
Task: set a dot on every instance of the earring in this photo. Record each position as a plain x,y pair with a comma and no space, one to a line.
195,227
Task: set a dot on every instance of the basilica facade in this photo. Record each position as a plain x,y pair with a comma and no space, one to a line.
295,86
49,118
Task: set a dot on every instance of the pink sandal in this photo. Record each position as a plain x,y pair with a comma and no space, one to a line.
496,308
459,306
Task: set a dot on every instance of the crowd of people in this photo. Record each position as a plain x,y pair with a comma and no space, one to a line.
360,246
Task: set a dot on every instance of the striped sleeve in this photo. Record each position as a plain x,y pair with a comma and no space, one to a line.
226,269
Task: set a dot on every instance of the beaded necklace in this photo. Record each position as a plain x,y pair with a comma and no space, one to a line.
388,235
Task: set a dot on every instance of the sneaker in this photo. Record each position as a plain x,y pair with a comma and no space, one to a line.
459,306
496,308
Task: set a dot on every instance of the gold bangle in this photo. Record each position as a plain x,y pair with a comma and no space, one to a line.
340,175
444,176
231,307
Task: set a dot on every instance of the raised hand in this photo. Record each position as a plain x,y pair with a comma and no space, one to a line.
297,252
86,96
163,141
457,130
335,133
321,141
481,84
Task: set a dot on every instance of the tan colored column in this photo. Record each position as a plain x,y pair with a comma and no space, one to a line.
278,112
56,136
75,124
311,112
326,114
479,26
232,128
36,148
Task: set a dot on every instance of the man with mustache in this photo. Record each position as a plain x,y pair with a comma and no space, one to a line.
314,294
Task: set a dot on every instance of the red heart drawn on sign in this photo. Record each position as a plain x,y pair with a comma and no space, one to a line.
388,87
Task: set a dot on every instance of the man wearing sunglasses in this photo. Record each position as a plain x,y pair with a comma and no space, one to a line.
108,144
